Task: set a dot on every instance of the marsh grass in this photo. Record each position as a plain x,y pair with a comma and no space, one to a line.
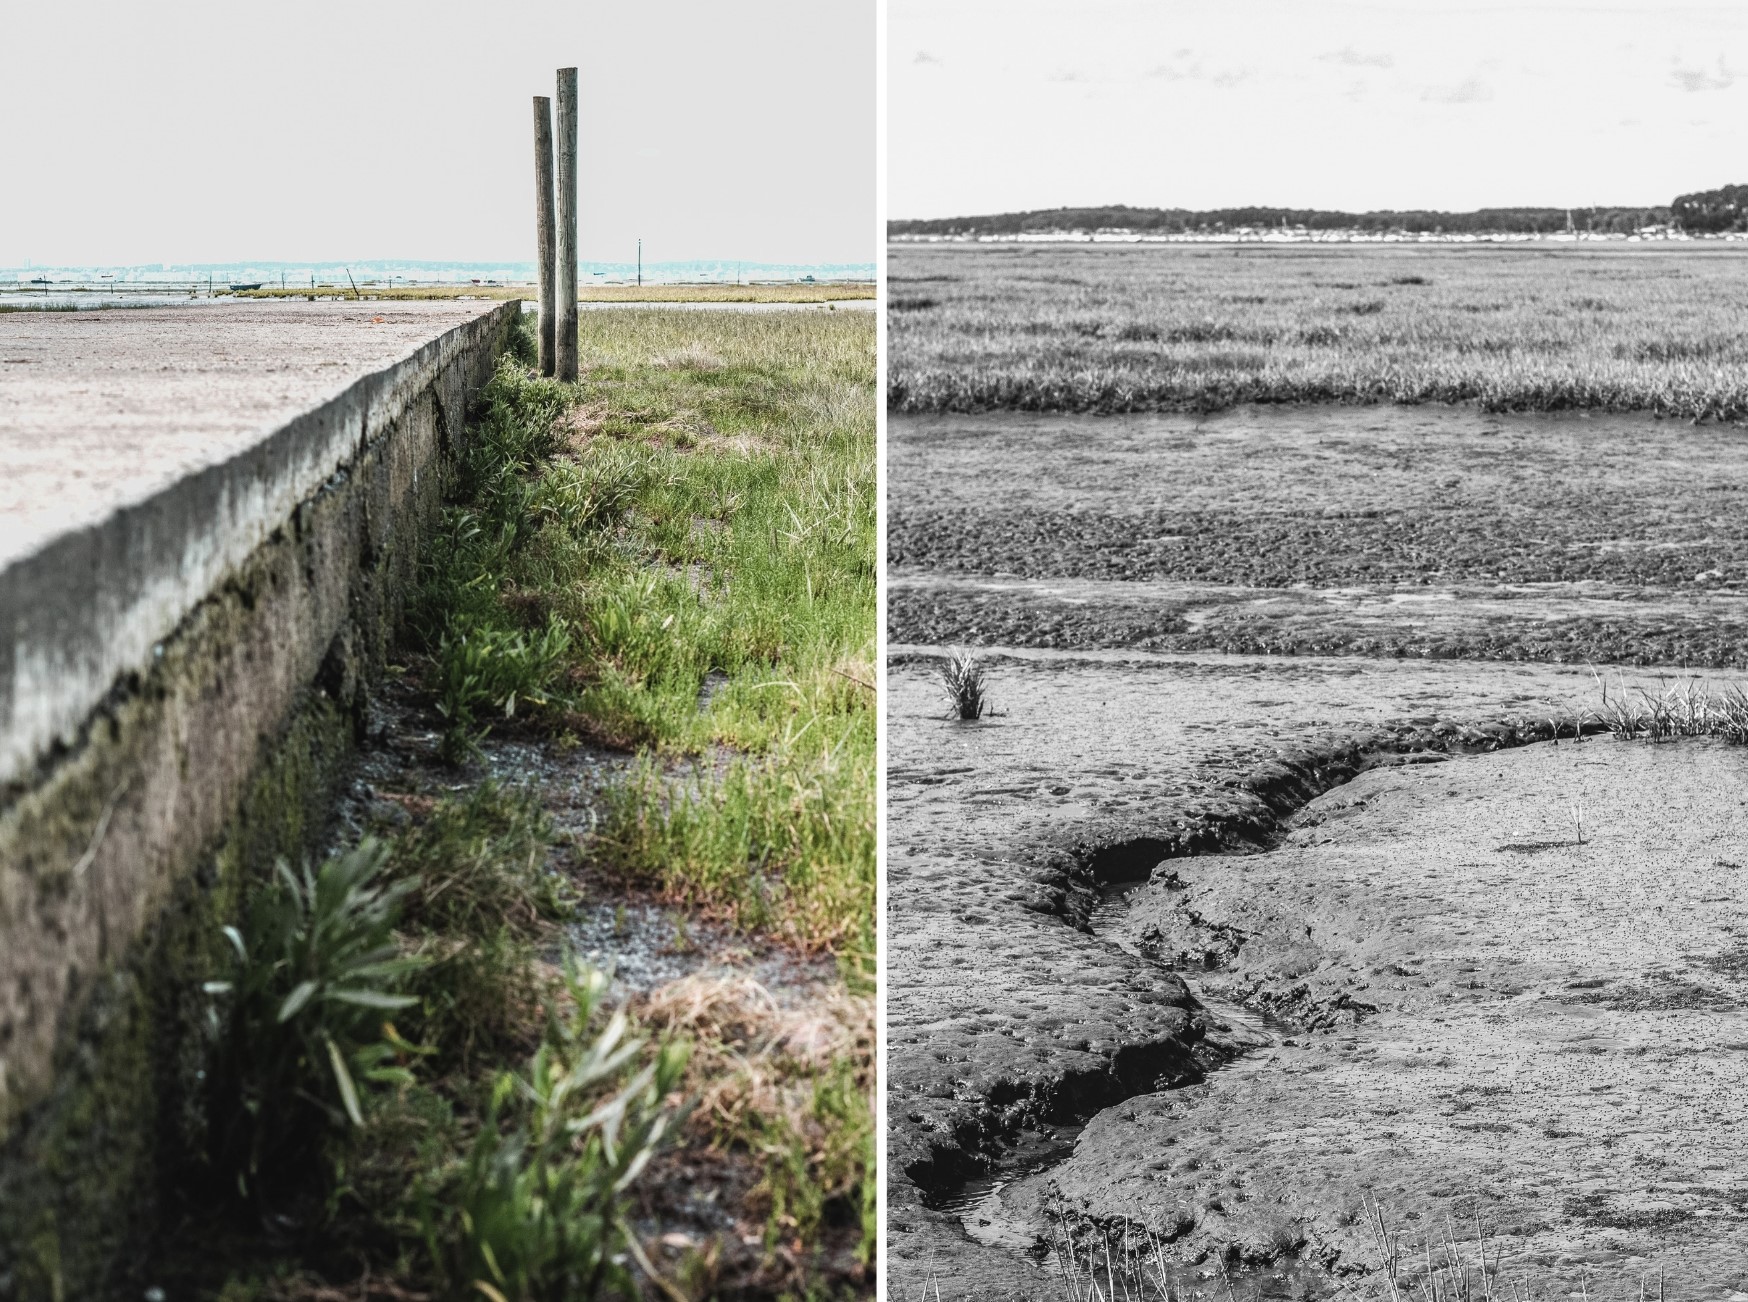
674,555
706,519
700,509
1682,707
775,842
1199,329
963,678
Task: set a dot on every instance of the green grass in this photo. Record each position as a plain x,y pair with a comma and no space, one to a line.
480,896
709,293
699,510
678,555
1196,328
826,1154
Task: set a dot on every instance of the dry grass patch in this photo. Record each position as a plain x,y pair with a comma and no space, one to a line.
787,1083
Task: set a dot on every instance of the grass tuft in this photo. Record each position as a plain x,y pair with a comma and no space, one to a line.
1687,707
963,678
534,1212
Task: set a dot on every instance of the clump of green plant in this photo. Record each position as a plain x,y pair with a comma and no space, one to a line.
962,676
478,862
480,893
580,496
536,1211
822,1158
300,1025
481,668
485,660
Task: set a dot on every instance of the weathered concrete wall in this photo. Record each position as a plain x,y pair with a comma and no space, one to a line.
186,639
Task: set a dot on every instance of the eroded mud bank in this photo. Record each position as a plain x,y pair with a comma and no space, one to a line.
1022,1003
1501,1021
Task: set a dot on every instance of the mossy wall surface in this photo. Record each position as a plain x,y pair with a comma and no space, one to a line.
119,867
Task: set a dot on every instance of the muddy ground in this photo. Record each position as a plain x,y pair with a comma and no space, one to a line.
1570,537
1485,1016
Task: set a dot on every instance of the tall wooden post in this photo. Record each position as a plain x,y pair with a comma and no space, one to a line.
565,279
543,226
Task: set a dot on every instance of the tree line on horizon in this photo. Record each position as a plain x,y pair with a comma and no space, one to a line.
1708,211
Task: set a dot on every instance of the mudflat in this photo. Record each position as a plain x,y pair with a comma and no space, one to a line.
1435,530
1481,1017
1105,1016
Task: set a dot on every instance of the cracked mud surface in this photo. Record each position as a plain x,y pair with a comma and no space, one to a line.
1055,1050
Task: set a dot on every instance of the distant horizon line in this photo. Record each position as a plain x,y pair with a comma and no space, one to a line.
447,264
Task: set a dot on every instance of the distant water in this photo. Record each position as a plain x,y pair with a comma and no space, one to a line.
56,300
173,279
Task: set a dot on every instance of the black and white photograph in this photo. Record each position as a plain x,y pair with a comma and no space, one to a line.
1317,615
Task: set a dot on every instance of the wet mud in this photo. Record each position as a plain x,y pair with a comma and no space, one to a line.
1609,538
1105,1014
1581,623
1329,497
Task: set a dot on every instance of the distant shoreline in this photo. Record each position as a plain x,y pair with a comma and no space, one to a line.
1267,236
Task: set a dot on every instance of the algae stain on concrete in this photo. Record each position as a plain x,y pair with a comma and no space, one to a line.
125,853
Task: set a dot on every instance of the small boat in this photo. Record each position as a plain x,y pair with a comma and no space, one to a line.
253,284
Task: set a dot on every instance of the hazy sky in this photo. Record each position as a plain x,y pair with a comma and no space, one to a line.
997,105
330,129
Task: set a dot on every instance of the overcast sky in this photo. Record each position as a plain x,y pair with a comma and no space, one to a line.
998,105
331,129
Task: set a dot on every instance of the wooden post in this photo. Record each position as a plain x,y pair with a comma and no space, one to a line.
565,279
543,226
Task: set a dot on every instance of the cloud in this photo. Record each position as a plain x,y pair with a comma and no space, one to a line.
1470,91
1697,78
1348,57
1185,66
923,56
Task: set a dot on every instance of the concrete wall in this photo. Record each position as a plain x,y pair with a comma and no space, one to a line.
182,673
